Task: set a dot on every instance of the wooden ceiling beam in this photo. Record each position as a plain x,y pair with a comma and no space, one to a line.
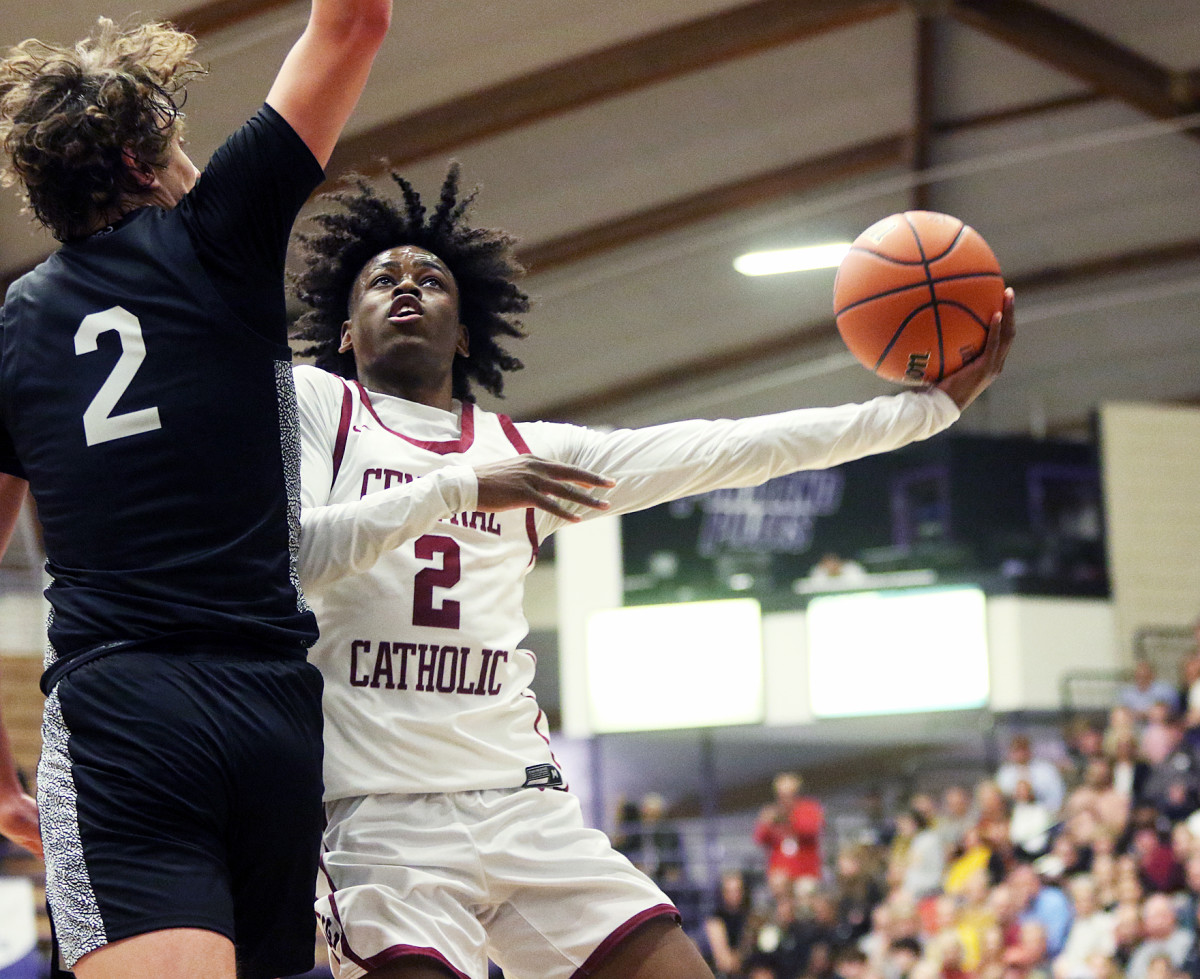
1015,113
761,189
1187,85
1098,269
816,336
812,337
755,191
208,18
1070,47
924,105
653,58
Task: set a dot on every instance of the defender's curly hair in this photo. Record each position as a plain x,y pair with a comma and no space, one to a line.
69,116
362,224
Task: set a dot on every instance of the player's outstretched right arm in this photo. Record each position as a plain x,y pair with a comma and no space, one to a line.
325,72
677,459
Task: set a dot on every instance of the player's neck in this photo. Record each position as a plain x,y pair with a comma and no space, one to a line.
112,216
439,396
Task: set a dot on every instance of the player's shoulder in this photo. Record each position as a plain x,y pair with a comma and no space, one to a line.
317,378
314,385
6,307
265,147
311,374
30,280
18,285
44,289
553,440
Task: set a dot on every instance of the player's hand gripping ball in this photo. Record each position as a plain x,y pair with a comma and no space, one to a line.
915,295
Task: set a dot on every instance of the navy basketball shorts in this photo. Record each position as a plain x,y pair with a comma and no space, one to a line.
184,791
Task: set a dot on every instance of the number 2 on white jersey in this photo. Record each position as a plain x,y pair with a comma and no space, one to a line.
99,423
427,610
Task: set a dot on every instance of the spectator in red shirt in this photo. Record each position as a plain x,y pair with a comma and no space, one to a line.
790,831
1157,866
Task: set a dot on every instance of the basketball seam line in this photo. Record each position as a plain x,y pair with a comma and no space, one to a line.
929,284
896,336
920,261
916,285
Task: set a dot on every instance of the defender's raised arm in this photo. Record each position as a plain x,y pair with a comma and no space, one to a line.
325,72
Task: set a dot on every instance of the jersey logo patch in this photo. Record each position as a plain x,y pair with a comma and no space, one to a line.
543,776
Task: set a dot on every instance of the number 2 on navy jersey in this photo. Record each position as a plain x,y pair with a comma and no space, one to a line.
425,612
99,423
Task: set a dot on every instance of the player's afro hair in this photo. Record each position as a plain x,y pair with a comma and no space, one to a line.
359,223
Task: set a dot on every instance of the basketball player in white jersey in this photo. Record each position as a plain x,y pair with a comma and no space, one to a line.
450,835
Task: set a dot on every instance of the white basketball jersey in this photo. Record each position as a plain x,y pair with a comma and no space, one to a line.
420,598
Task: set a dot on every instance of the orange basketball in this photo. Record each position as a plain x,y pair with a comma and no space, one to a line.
915,295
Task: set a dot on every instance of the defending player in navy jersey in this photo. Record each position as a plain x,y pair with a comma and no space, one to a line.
146,397
422,516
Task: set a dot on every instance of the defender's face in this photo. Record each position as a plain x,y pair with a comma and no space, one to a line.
179,176
404,327
162,185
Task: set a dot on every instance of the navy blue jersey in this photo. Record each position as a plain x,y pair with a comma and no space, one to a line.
146,394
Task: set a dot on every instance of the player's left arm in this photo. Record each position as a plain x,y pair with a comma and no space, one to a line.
18,811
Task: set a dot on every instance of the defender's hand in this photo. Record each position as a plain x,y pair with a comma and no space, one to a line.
19,821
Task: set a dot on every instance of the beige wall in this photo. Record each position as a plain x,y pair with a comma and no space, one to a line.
23,622
21,708
1150,456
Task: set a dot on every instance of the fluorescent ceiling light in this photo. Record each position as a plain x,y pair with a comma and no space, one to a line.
792,259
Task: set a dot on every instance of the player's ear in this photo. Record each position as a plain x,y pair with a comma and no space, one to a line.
463,347
144,175
347,343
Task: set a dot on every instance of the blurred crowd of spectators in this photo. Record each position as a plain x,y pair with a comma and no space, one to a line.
1078,858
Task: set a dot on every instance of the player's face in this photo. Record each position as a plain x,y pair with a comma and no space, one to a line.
404,327
163,185
178,177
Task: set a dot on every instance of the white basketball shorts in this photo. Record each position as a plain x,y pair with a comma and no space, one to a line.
511,874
